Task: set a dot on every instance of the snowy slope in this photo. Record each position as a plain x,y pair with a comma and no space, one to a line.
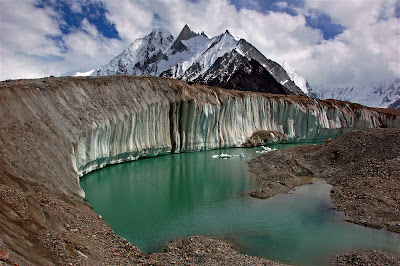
176,63
140,57
216,48
223,68
276,70
379,94
297,78
83,74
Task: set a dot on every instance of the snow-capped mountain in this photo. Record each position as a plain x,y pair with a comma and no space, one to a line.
233,63
384,94
223,60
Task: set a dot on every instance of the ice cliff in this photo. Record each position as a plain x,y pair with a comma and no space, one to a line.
56,129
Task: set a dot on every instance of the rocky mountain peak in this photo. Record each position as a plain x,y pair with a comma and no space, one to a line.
186,34
160,36
140,56
228,33
204,34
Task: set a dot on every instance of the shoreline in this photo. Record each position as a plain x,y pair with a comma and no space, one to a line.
362,167
66,232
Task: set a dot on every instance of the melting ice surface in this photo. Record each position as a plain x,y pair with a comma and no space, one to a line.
155,200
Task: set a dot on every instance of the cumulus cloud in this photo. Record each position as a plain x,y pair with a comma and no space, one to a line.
87,48
24,39
133,19
367,50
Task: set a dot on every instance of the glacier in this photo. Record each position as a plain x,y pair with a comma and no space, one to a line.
66,127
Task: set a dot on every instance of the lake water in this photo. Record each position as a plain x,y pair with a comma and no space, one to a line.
155,200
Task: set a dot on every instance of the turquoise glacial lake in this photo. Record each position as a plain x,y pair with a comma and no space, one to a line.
156,200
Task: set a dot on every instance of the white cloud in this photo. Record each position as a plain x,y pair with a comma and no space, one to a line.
24,30
88,49
131,19
350,13
367,50
76,6
282,4
28,51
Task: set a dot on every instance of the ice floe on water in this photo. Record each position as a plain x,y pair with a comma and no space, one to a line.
227,156
265,150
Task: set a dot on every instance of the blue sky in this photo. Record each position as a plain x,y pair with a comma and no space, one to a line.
340,42
94,12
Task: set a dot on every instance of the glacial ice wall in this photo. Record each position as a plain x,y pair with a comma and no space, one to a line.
56,129
228,120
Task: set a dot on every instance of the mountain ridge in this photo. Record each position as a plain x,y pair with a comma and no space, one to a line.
195,57
384,94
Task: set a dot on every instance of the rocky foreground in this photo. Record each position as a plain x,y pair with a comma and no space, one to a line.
362,166
41,228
